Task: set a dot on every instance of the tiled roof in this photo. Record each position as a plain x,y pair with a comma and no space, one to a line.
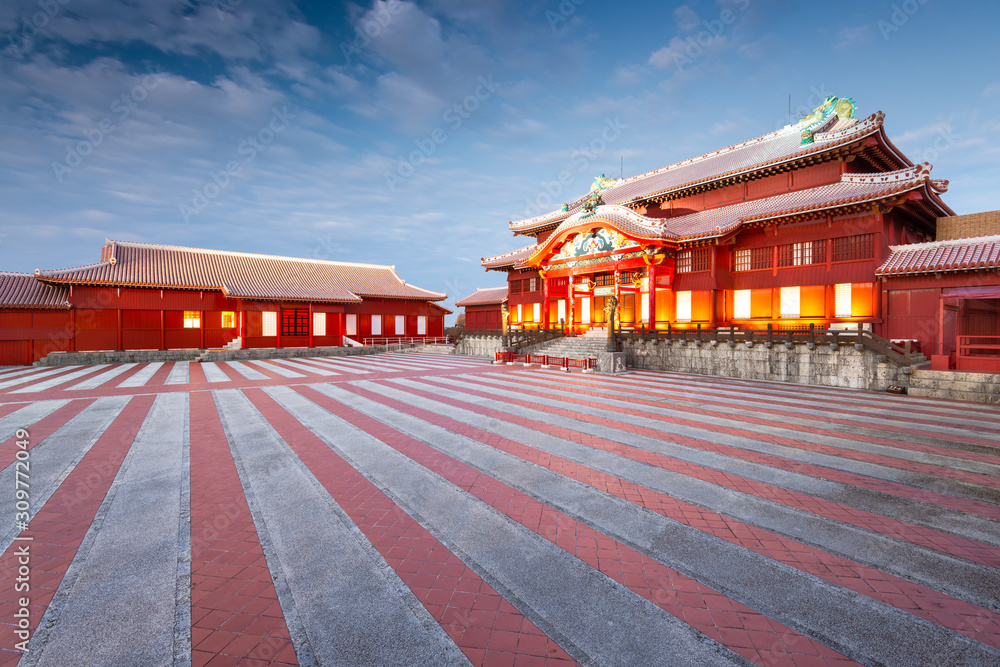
509,258
941,256
21,290
484,297
784,145
239,275
853,189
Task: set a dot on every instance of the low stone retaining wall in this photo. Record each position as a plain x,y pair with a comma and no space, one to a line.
147,356
126,357
478,346
845,366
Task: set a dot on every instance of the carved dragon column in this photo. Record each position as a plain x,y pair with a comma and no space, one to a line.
610,308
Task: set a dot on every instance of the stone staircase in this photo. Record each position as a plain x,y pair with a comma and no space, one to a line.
956,385
579,347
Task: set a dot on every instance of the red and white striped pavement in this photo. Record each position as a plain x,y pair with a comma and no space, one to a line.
429,509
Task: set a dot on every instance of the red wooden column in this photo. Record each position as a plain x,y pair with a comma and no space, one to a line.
277,331
571,296
163,329
545,300
243,324
72,328
310,324
651,278
201,322
120,345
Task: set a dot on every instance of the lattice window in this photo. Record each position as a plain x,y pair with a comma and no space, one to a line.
269,323
319,324
228,319
802,254
701,259
192,319
295,322
752,259
848,248
684,261
533,285
515,286
606,279
842,300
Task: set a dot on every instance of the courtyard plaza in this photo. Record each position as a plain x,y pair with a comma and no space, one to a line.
424,509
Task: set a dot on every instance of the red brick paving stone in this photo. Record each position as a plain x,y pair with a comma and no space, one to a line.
196,374
918,534
7,408
960,616
230,372
113,382
271,374
61,524
231,587
648,578
66,371
156,380
458,598
765,409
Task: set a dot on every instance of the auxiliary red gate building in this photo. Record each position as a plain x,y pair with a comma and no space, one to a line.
817,223
147,296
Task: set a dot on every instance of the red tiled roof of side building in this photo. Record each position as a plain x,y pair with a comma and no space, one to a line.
942,256
484,297
239,274
767,150
22,290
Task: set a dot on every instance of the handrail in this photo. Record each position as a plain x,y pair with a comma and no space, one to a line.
405,340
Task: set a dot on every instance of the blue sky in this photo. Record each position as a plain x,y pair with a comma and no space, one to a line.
410,133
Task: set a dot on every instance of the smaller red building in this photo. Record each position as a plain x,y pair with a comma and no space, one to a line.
143,296
946,296
484,308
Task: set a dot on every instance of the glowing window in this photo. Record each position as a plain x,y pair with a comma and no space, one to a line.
519,314
269,323
842,300
684,306
228,320
538,312
741,304
644,308
319,324
352,325
790,301
561,310
376,325
192,319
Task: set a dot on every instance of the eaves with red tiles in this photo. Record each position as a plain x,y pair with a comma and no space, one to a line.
21,290
943,256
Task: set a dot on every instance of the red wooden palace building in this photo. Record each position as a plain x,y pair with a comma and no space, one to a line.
146,296
787,229
483,308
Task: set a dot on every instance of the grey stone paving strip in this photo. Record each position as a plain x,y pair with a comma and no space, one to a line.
275,368
315,363
375,364
179,374
672,408
117,602
213,373
819,395
592,617
143,376
246,371
107,376
35,375
946,485
309,368
893,416
950,574
745,403
25,418
55,457
352,606
849,622
182,592
970,526
56,381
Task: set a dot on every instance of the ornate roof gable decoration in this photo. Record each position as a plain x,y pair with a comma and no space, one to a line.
825,115
595,242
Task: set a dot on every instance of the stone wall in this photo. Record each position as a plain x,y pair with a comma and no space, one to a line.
478,346
844,366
